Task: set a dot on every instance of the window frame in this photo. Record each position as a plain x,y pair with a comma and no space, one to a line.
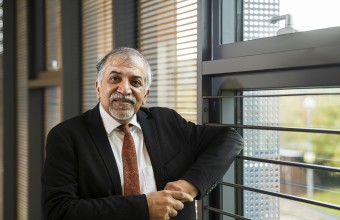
301,49
300,60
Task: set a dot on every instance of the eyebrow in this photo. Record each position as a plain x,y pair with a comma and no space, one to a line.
115,72
120,73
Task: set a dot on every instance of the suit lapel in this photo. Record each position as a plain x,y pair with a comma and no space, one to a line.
152,144
98,134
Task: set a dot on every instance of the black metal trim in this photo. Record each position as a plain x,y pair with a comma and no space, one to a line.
275,78
257,96
204,52
225,213
282,195
239,163
289,163
297,42
293,129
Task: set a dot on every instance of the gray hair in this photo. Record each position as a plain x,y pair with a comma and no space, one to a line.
124,51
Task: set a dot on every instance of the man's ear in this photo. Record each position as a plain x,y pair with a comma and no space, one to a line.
98,90
145,96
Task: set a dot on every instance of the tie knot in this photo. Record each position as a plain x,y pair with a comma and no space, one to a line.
125,128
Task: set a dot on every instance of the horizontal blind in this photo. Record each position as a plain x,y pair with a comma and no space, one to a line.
52,107
52,95
97,32
53,34
167,33
22,109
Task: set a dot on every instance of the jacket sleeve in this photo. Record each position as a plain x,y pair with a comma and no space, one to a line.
215,149
61,200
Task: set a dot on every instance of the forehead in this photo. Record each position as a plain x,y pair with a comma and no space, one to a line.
126,61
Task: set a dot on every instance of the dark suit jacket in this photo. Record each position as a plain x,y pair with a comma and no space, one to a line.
81,181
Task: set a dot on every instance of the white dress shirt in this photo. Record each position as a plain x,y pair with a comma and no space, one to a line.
115,135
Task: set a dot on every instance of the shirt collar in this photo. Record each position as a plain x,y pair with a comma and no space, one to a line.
110,123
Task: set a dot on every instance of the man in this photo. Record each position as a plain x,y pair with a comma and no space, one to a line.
173,161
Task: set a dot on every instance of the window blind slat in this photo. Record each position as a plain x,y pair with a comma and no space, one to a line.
52,95
97,32
22,109
169,32
168,38
53,33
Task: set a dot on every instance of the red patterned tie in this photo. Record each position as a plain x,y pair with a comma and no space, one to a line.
130,167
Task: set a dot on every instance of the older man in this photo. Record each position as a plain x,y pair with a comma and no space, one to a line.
123,161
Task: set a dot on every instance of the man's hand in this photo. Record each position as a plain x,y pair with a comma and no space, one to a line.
183,186
165,204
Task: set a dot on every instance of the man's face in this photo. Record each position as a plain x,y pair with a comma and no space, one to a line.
122,91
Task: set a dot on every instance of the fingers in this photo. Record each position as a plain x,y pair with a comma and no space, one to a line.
172,213
166,203
181,196
177,205
184,186
173,186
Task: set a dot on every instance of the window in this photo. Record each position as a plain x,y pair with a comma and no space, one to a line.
265,18
168,39
22,108
291,156
97,41
282,94
306,119
53,63
298,48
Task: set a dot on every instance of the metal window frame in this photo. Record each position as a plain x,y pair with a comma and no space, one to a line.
314,45
213,206
311,59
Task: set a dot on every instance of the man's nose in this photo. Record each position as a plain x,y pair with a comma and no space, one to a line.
124,87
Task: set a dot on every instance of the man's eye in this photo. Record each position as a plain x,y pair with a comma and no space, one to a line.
114,79
136,83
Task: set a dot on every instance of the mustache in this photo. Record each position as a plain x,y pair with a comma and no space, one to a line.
120,96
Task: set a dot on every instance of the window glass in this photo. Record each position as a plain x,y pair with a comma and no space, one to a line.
22,134
309,120
52,95
265,18
97,40
53,35
167,36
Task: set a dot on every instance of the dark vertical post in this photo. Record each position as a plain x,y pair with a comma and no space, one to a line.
71,55
9,110
125,23
36,35
239,163
204,53
204,83
36,153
